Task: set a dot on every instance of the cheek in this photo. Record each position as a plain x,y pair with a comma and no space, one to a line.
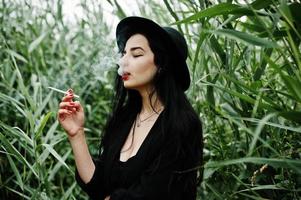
147,76
148,71
144,73
146,66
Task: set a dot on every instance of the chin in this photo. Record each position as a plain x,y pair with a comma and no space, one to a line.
132,86
129,86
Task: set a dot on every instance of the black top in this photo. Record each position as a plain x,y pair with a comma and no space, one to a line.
136,178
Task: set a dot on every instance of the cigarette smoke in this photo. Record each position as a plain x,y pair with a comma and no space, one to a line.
120,70
105,61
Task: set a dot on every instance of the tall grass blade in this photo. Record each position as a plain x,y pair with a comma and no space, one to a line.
36,42
219,9
16,55
56,155
13,151
16,171
245,38
275,162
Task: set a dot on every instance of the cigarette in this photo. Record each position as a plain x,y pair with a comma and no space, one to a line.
61,91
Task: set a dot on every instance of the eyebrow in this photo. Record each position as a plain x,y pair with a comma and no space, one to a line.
135,48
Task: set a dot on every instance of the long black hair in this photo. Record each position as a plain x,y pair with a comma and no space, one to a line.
179,118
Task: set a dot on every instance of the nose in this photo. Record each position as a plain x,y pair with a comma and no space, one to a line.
123,61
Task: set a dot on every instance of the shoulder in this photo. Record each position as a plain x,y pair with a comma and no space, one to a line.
183,127
181,123
193,124
191,133
191,140
189,121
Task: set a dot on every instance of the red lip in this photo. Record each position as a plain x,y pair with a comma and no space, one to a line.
125,77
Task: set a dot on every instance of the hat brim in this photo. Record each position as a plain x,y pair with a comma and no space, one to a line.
132,25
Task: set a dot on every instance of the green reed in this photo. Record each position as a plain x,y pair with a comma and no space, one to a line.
245,66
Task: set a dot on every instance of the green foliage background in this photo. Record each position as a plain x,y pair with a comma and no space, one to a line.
245,66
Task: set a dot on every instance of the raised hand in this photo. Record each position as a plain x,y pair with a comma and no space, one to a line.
71,114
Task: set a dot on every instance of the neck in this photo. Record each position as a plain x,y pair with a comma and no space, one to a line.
150,105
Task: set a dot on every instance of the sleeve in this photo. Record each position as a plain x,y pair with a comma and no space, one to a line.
157,181
95,187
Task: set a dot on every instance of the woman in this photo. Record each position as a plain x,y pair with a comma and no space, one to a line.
152,144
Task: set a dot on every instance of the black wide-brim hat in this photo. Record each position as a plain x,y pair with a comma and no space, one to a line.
170,37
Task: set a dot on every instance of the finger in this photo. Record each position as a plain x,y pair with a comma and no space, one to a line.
67,98
68,104
77,105
73,106
64,112
64,104
70,91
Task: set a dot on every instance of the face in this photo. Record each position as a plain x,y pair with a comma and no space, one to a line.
138,64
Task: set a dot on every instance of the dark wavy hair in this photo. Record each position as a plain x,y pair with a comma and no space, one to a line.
179,118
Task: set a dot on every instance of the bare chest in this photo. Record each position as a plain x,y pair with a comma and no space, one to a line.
134,141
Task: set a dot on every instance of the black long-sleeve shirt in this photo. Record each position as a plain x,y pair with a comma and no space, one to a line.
152,174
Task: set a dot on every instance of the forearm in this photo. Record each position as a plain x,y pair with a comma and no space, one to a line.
83,159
